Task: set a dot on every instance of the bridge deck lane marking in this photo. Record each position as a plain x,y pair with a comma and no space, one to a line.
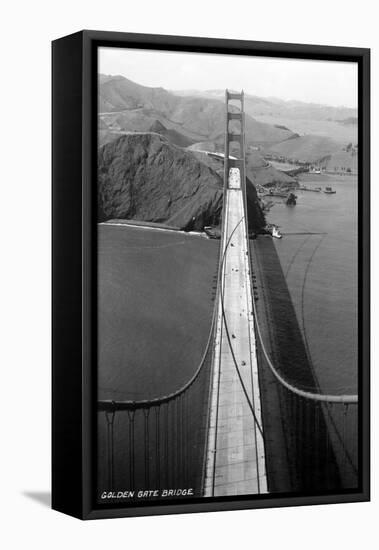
235,461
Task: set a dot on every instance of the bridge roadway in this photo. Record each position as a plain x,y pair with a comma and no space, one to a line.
235,454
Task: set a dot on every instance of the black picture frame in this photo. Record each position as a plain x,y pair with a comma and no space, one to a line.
74,294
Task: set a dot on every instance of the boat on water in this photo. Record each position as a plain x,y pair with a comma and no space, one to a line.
329,191
274,231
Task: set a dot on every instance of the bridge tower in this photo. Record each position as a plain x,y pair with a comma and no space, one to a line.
237,136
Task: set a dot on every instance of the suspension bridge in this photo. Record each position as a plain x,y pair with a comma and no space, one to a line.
211,434
235,454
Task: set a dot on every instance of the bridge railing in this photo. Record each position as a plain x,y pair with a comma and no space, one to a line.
156,443
320,429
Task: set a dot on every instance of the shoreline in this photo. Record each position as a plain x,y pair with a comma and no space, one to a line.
150,225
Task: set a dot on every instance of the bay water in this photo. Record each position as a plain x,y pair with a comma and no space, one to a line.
319,257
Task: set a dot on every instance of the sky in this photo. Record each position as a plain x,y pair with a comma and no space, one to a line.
324,82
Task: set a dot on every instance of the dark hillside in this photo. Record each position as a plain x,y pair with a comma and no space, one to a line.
143,177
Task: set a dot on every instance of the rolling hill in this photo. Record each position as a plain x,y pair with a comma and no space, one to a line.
124,123
262,173
117,93
306,148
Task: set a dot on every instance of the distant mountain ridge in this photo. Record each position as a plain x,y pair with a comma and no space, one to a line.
117,93
123,103
300,131
333,123
256,105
